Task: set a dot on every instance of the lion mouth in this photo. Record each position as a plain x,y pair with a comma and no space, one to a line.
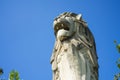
60,26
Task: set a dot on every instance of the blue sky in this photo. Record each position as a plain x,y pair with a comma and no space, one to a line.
27,37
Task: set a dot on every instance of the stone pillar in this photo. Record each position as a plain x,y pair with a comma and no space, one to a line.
74,55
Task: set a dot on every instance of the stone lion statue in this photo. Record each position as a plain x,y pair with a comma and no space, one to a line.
74,55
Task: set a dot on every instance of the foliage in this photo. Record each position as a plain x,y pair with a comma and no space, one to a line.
1,71
14,75
117,76
117,46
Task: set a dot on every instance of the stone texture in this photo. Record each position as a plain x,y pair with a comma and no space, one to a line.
74,55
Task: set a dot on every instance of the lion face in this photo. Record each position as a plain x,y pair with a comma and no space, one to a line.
64,27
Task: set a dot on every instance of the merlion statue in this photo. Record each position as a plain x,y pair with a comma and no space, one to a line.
74,55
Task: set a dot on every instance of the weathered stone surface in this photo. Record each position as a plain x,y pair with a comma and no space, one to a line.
74,54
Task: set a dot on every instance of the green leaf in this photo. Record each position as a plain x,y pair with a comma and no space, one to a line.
118,66
118,47
14,75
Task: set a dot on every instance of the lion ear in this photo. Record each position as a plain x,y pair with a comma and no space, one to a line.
79,17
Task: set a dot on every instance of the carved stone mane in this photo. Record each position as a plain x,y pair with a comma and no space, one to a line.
74,55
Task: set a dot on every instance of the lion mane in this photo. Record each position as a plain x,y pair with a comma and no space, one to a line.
74,52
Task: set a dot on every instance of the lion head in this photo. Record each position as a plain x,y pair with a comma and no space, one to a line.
71,25
65,25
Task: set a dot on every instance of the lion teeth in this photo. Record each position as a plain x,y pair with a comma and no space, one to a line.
62,25
57,28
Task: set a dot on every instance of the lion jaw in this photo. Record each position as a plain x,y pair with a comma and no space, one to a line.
64,28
